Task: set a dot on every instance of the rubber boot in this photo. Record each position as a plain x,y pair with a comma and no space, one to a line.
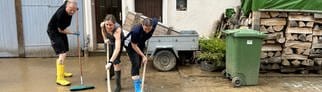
60,80
66,74
117,81
137,85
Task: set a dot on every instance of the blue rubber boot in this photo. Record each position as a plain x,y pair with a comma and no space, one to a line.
137,85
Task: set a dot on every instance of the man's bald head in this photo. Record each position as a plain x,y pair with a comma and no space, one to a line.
71,7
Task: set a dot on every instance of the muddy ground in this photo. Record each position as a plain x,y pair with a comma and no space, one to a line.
38,75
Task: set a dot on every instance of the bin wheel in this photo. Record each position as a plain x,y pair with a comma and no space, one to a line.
236,82
164,60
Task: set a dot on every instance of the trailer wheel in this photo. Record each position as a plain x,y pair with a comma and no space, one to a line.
164,60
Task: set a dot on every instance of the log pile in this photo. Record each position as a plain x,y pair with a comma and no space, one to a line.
273,24
316,51
294,42
298,42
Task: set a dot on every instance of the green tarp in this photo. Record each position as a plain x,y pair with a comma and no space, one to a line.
255,5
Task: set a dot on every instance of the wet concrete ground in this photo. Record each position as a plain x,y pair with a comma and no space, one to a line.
38,75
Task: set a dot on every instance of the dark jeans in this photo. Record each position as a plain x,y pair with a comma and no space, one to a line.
135,60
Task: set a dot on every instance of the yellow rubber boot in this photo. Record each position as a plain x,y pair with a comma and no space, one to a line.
60,75
66,74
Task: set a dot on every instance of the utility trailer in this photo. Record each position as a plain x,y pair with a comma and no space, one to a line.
167,47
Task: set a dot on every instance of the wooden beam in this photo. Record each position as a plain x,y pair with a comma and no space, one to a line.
298,17
273,21
272,48
298,44
295,56
21,44
256,20
299,30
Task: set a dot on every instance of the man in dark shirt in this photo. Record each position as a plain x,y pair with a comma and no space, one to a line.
57,32
135,43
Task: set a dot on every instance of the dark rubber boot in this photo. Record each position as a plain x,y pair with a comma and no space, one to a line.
117,81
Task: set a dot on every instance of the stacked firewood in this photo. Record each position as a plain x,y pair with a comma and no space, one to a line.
298,42
273,24
294,42
316,49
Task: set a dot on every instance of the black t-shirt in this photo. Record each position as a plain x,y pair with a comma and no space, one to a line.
60,19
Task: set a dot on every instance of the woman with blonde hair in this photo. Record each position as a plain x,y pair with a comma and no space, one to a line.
112,30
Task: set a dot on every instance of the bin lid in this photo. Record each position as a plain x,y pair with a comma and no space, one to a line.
245,33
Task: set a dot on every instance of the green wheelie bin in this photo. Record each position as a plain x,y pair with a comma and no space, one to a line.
243,48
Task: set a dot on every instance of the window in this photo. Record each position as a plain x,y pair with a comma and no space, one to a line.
181,5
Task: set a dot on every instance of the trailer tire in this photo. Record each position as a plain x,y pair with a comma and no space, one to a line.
164,60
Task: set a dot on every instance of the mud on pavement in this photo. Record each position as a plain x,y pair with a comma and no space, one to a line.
38,75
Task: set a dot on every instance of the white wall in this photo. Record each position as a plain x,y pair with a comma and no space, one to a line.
88,24
201,15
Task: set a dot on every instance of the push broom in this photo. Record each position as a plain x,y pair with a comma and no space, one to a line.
81,86
144,69
108,82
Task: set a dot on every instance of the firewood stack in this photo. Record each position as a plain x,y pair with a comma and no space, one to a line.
298,42
293,43
273,24
316,51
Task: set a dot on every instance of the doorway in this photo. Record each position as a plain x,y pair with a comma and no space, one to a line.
102,8
149,8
